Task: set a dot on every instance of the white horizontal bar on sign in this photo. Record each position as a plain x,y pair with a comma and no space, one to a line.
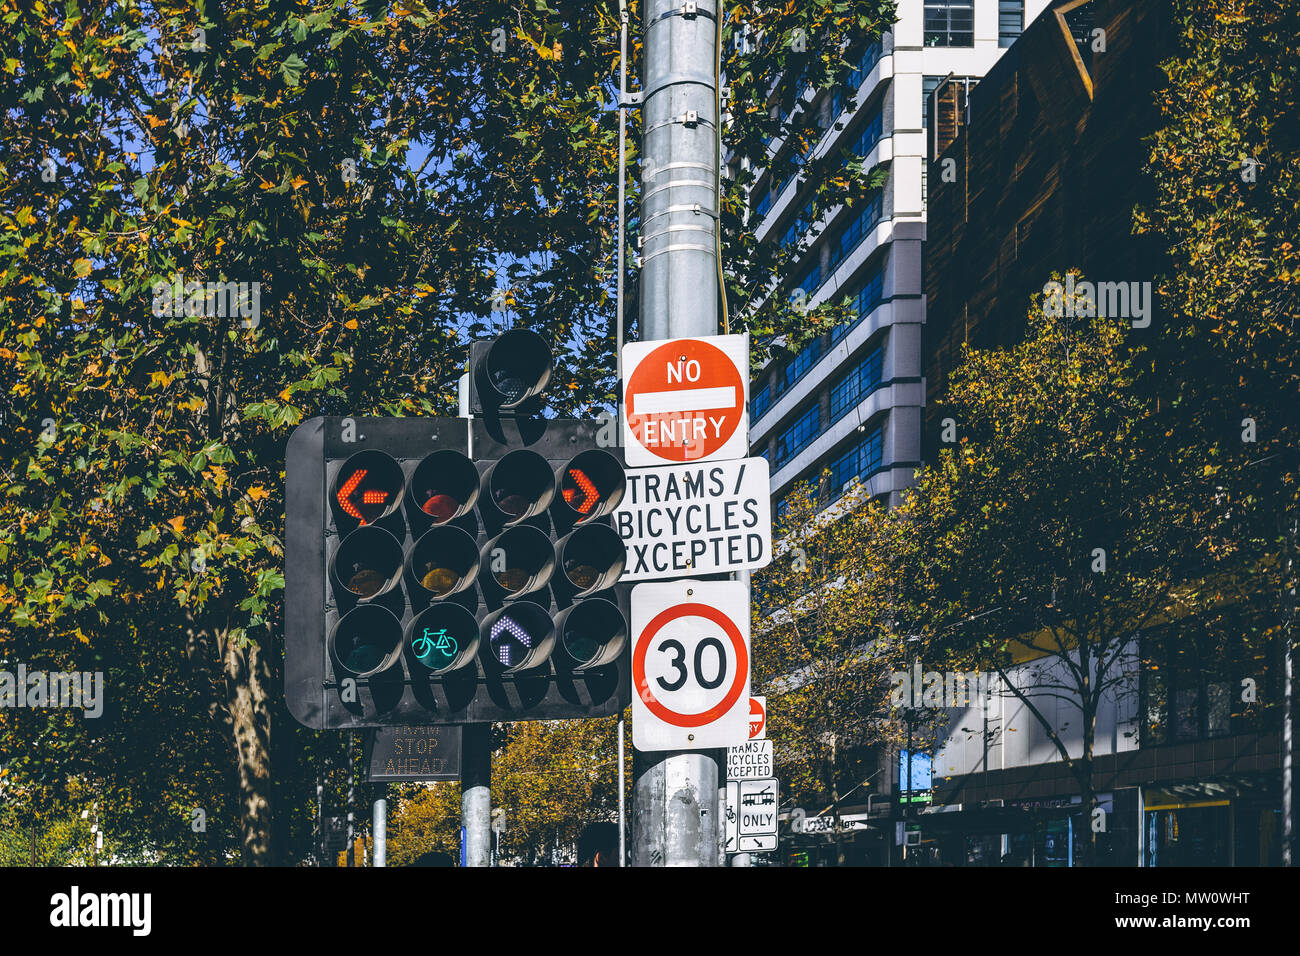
683,400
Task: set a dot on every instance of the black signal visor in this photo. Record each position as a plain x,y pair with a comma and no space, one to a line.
443,486
515,368
368,487
591,484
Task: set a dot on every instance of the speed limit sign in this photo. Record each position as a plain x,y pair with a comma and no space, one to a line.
690,665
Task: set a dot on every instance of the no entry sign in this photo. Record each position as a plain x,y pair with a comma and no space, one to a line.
686,400
690,665
757,718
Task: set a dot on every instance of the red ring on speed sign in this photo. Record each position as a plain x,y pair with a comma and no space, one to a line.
652,703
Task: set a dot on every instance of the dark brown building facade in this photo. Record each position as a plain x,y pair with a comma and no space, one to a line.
1037,169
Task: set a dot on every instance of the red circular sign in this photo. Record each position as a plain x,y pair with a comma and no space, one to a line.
685,400
757,717
652,703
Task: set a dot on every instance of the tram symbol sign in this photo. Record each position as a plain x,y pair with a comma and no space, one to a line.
690,665
686,400
756,823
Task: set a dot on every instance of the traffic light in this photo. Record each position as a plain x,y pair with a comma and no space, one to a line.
450,570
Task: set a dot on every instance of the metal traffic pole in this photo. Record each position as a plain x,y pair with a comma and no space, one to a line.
676,817
475,797
380,826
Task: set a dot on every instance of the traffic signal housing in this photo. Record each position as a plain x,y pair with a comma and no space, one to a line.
445,570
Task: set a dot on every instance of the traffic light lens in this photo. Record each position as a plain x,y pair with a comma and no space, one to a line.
509,383
366,582
591,484
439,580
593,633
579,491
444,486
520,635
444,560
520,559
510,503
592,557
443,637
368,487
367,640
520,485
368,562
442,507
583,575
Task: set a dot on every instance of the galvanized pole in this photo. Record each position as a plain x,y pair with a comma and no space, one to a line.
622,799
676,819
379,824
352,837
475,797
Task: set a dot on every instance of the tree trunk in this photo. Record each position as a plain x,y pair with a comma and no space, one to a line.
248,704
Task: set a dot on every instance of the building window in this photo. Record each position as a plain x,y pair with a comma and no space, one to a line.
861,381
928,86
866,62
810,281
868,136
949,23
760,403
869,295
799,365
858,462
799,435
857,230
1011,21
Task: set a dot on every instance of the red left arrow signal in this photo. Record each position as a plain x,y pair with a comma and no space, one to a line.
369,496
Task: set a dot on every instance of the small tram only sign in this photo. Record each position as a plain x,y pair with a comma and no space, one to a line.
686,400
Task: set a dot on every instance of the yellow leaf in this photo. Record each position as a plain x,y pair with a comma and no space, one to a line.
257,493
177,523
81,268
350,324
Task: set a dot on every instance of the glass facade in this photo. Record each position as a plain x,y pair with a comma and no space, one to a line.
869,294
859,382
868,136
857,229
798,436
862,458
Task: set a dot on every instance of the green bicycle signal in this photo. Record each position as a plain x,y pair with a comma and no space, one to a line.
431,641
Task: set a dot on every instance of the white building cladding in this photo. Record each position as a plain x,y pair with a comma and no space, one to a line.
851,400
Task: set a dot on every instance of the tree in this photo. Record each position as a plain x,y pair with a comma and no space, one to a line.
217,221
1030,550
1227,361
551,778
816,619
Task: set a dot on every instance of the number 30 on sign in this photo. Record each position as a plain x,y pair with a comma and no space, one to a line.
690,665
